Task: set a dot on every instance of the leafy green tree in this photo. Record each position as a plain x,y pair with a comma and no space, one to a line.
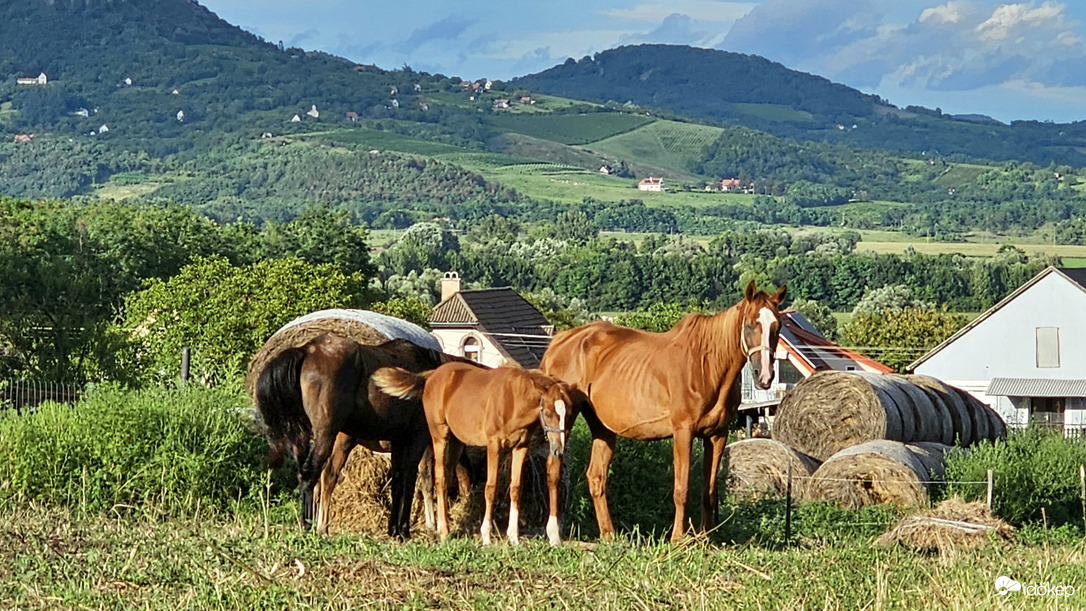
893,298
409,309
574,226
422,246
225,313
898,337
660,317
819,315
563,313
320,235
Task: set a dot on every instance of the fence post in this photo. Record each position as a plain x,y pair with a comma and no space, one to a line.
1082,482
788,508
990,478
186,356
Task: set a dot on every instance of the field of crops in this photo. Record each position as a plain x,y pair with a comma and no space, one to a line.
569,129
383,141
666,144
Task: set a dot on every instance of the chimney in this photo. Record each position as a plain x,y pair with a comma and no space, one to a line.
450,285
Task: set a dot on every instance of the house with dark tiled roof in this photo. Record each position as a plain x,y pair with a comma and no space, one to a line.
801,351
1024,356
492,326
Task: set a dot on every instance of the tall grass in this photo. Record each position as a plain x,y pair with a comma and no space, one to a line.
1032,469
174,450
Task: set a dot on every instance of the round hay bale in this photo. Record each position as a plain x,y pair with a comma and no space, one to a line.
933,456
953,526
833,410
759,467
961,430
933,419
873,473
978,418
363,326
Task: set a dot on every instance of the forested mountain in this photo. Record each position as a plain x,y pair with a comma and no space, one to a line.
735,89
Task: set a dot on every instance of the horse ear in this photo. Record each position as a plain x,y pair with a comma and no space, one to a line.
751,291
779,296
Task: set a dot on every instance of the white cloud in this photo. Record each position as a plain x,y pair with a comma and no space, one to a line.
701,10
951,12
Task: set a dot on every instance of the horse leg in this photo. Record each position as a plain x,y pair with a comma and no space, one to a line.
426,486
440,453
516,468
714,449
682,446
312,471
603,450
493,455
554,472
299,449
329,478
463,476
405,469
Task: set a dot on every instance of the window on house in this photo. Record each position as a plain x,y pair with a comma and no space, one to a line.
472,349
1048,347
1047,412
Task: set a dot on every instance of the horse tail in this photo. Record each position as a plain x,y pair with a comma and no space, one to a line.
279,402
400,383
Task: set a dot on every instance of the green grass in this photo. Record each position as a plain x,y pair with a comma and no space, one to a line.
568,129
775,112
54,559
370,139
665,144
1074,261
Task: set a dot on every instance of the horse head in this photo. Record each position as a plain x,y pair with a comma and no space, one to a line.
554,415
761,326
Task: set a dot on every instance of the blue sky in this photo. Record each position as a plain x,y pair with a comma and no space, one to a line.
1008,60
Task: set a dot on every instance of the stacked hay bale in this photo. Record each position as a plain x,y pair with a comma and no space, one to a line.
759,467
872,438
834,410
877,472
954,526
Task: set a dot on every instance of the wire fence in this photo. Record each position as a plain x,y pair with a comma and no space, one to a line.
27,395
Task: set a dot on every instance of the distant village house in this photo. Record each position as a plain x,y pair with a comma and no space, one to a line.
41,79
651,184
352,115
729,184
24,137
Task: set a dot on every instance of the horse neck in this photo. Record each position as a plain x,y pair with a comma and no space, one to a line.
717,340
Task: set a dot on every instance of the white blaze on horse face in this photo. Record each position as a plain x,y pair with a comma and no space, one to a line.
766,320
560,407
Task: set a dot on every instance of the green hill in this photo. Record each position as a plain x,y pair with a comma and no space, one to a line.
735,89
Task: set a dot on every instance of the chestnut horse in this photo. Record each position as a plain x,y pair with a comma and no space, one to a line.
320,393
493,408
683,383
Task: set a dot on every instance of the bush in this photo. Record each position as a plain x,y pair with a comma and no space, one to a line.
1032,469
169,450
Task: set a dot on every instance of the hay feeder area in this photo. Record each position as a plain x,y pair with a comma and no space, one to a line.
759,467
834,410
877,472
953,526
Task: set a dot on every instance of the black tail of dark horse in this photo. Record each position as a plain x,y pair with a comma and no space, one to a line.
279,401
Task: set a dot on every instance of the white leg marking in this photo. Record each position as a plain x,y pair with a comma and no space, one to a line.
552,531
485,532
513,532
560,407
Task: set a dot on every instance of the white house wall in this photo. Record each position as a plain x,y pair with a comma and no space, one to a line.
1005,344
452,340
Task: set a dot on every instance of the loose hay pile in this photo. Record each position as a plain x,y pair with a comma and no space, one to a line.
833,410
759,467
952,526
877,472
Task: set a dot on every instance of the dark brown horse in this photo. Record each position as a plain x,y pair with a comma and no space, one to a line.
683,383
497,409
319,395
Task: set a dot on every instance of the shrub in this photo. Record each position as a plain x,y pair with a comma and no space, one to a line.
1032,469
169,450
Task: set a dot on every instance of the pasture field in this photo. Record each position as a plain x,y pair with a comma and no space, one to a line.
363,138
666,144
569,128
57,559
